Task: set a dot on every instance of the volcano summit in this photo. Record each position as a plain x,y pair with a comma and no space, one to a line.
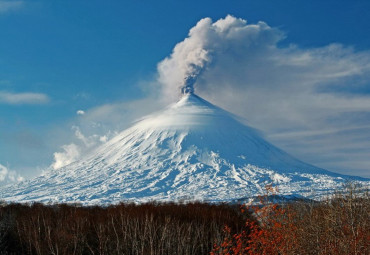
190,150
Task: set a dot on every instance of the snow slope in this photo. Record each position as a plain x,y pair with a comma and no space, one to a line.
191,150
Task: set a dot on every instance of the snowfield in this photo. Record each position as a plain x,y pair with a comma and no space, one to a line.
191,150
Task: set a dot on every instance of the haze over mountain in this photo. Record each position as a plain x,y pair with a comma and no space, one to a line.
190,150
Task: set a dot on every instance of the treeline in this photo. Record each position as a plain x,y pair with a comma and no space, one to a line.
337,225
120,229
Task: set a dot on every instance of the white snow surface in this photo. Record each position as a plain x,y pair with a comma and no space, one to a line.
191,150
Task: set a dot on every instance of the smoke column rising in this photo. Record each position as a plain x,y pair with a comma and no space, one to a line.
179,72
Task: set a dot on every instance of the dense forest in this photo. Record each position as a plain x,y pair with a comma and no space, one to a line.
337,225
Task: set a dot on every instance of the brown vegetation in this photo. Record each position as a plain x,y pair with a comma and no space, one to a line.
339,225
121,229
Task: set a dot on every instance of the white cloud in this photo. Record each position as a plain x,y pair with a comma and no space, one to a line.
79,147
279,90
98,125
9,176
23,98
7,6
71,153
80,112
89,141
3,172
103,138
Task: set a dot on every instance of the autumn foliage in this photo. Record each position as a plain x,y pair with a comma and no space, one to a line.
118,229
338,225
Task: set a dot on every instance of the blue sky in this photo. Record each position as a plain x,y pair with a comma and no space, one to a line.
58,57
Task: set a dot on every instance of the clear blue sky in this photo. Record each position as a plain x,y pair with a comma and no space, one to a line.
62,56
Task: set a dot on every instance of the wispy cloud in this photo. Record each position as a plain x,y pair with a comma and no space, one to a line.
23,98
97,125
7,6
80,112
9,176
71,152
80,146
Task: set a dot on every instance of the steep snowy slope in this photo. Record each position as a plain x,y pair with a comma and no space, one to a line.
190,150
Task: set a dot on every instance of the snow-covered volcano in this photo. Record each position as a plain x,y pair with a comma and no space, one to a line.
190,150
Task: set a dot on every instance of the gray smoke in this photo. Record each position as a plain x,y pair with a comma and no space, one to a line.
206,41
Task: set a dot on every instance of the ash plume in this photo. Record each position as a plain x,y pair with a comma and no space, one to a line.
206,41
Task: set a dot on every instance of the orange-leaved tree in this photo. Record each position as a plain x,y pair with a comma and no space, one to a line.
269,233
339,224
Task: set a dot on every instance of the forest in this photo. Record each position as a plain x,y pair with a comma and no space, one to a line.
338,224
